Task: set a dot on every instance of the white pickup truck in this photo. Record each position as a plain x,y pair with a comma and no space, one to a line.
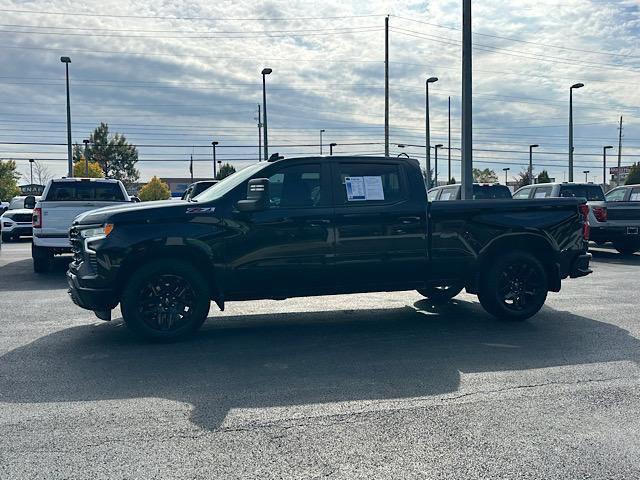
62,201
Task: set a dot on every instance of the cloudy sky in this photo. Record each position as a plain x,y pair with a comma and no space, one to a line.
173,75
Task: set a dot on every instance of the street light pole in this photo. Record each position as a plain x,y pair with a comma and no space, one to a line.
213,144
86,157
67,61
531,147
31,160
506,169
331,145
586,175
449,145
265,72
321,132
575,85
604,166
466,190
435,167
427,129
259,135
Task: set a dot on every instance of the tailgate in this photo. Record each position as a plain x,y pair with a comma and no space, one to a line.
57,217
624,213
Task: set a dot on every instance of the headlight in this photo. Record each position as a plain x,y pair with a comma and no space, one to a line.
103,231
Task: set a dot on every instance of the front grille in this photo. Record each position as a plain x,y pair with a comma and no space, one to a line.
22,217
76,245
624,213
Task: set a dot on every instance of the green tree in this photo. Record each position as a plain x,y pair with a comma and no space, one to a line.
543,177
8,180
522,179
225,170
113,153
79,169
156,189
634,175
484,176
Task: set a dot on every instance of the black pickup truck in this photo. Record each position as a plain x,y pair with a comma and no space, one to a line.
320,226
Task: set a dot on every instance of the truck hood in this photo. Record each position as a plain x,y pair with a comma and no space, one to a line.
135,212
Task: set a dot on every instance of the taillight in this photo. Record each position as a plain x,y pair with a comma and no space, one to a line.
37,218
600,213
586,228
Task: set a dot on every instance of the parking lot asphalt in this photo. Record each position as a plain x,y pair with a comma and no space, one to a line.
355,386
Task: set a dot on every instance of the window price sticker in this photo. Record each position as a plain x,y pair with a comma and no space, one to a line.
364,188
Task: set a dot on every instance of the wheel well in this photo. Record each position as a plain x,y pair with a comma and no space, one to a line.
538,246
197,258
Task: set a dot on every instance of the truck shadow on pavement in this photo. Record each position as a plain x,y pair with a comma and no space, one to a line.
19,276
608,256
276,360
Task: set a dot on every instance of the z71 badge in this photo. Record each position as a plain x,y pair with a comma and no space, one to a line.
194,210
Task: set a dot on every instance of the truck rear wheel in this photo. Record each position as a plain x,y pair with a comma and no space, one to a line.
627,248
41,259
441,293
514,287
165,300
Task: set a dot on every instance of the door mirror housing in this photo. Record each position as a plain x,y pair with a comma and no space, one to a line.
134,199
257,196
30,202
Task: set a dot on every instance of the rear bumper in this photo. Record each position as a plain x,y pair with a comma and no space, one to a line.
59,242
615,234
580,266
96,299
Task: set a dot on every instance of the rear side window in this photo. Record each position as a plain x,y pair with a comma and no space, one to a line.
522,193
542,192
432,194
592,193
450,193
491,192
617,195
84,191
364,183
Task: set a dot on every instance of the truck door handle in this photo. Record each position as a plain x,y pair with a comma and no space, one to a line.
409,220
318,222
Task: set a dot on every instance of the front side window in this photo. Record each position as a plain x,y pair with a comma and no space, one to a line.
616,195
366,183
449,193
297,186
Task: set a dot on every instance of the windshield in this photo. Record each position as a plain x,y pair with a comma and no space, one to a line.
229,183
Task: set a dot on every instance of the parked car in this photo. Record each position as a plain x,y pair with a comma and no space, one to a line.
481,191
622,226
592,192
4,206
15,222
63,200
320,226
196,188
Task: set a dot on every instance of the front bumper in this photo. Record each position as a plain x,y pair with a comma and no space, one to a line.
580,266
17,230
96,299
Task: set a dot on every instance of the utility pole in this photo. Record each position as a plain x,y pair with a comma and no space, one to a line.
604,166
386,86
619,150
449,146
259,135
213,144
467,122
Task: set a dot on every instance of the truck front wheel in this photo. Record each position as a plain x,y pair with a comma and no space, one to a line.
42,259
441,293
514,287
165,300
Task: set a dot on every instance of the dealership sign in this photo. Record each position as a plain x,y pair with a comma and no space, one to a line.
31,189
622,170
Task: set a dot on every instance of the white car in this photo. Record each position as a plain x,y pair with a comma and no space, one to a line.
62,201
15,222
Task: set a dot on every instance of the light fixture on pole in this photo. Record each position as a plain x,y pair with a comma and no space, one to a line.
505,170
31,160
265,72
321,132
435,166
331,145
67,61
213,144
531,147
604,166
575,85
427,128
586,175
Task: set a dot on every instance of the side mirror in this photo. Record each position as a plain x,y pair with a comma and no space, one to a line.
135,199
257,196
30,202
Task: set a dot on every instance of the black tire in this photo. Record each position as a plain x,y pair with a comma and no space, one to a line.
41,259
175,290
514,287
627,248
441,293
